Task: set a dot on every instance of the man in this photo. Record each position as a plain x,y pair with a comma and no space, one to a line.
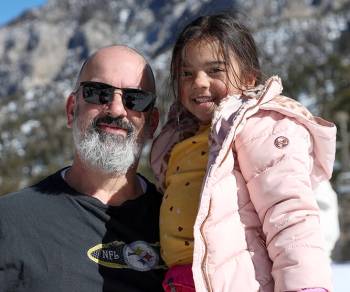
92,226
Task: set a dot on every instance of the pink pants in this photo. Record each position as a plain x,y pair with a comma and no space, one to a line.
179,279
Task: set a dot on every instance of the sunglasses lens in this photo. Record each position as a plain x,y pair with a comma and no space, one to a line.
138,100
97,94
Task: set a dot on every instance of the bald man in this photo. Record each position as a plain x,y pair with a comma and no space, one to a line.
92,226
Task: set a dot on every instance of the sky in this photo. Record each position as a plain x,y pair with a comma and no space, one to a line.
10,9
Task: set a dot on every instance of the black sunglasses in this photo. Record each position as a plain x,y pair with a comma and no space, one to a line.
102,93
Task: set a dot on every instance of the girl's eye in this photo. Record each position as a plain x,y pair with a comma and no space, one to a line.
216,70
186,74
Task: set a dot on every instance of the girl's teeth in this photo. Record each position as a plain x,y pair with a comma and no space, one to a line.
203,99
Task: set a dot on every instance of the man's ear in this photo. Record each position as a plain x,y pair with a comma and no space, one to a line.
70,108
153,121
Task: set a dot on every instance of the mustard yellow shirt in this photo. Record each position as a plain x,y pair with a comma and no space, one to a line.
186,169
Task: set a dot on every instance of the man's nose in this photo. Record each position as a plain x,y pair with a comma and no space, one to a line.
201,80
116,107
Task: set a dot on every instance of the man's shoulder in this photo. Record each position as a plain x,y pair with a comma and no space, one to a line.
26,194
28,198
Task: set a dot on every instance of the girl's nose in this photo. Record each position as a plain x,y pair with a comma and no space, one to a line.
201,80
116,107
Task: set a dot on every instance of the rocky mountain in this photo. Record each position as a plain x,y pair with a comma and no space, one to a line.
306,42
42,50
49,43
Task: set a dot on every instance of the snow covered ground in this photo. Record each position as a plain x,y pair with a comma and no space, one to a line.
341,277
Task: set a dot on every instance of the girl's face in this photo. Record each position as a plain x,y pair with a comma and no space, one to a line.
205,78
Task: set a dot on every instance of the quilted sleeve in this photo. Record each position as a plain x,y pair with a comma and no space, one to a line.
275,155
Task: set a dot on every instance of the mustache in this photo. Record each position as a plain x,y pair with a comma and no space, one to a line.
116,122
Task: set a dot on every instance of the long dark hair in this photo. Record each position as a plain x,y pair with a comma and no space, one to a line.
233,37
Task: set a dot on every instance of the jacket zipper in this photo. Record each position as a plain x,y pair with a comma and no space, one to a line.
203,266
205,274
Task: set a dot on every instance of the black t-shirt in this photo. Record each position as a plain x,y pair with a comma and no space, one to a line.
53,238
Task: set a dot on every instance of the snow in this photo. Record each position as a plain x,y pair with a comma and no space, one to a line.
341,275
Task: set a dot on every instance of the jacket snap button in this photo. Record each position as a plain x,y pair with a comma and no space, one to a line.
281,142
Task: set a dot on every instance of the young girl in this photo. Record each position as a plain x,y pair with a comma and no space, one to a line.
238,208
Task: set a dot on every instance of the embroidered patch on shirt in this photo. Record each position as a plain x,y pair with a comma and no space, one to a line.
138,255
281,142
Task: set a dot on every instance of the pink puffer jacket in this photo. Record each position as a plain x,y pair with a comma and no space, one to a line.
257,227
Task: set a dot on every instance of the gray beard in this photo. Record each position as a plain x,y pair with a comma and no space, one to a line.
113,154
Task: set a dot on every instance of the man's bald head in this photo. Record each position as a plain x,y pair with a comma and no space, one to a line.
119,66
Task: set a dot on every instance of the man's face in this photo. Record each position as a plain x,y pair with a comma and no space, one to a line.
109,136
114,153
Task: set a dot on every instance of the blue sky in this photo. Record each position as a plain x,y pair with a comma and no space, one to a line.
9,9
